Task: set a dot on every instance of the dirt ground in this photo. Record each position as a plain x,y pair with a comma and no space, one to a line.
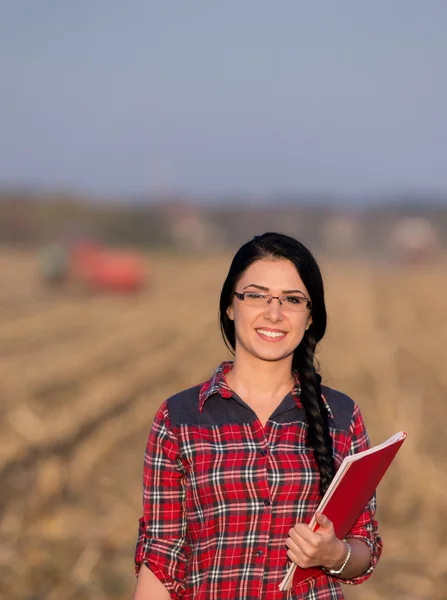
82,375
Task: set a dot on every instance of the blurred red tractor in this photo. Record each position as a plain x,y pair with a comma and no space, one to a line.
96,266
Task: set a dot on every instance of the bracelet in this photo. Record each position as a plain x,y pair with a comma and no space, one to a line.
340,570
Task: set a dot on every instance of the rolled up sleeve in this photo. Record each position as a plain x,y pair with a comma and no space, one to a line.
162,543
366,527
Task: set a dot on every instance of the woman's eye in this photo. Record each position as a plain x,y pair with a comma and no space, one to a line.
255,296
295,299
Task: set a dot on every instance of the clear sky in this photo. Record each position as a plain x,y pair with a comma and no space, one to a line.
106,96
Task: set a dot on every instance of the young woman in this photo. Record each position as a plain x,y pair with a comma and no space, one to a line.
235,467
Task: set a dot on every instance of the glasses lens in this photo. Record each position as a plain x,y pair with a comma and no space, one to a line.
255,299
295,303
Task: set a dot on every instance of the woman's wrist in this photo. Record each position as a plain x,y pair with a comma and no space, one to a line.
340,555
359,560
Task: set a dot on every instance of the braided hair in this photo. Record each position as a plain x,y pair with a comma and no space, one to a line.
318,435
277,245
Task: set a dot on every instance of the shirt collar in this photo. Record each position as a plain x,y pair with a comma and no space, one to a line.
217,384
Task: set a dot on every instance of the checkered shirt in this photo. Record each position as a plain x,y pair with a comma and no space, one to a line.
221,492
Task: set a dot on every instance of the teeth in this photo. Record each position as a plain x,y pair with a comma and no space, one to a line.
271,333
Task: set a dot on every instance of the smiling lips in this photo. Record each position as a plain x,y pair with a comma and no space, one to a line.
271,335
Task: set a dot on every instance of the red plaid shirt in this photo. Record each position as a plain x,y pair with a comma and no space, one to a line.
221,493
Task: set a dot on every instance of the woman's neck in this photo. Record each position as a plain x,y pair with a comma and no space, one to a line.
261,380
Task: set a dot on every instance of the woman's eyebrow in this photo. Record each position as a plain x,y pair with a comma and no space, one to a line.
259,287
266,289
293,292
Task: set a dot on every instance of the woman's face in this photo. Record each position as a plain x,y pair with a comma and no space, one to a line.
270,332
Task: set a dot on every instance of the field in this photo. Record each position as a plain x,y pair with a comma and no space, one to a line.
82,374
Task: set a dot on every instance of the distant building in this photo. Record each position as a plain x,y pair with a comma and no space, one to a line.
414,240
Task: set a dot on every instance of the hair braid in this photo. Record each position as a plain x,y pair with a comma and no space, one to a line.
319,437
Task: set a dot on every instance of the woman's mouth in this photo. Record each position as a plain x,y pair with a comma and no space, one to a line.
271,335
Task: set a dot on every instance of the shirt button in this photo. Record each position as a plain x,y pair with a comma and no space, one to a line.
263,452
259,553
267,502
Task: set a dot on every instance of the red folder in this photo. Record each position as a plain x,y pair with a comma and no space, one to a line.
348,494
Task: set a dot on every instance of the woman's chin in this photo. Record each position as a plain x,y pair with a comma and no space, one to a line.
271,355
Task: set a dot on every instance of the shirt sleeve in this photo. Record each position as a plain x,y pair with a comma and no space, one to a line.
366,526
162,537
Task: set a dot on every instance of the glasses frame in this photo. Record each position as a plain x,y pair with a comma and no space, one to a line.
241,296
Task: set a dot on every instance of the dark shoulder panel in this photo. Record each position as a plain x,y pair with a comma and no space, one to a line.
184,409
342,406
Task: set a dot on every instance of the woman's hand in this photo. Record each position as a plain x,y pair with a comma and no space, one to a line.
319,548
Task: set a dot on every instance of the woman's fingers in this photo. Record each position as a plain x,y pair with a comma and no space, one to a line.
301,551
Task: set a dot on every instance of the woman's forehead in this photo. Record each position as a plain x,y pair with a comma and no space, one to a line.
271,273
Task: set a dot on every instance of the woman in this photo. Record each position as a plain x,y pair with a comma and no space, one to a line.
236,467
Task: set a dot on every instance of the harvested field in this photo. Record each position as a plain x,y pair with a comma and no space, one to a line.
83,374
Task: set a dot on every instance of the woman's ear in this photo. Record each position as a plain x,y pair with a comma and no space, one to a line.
230,312
309,322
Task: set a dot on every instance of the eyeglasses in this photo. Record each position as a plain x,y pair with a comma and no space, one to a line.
260,300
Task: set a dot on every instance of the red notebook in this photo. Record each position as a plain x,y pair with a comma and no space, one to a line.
348,494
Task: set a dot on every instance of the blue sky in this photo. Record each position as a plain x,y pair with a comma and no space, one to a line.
203,97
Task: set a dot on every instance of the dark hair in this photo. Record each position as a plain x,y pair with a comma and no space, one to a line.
278,245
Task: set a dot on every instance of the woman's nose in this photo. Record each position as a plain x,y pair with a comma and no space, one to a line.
274,309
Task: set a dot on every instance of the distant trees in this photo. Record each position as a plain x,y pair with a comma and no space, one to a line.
188,226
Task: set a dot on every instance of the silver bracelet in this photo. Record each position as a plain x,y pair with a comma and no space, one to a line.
340,570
